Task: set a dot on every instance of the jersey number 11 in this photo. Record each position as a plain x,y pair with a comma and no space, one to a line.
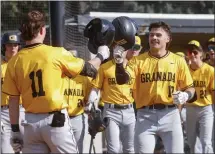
40,83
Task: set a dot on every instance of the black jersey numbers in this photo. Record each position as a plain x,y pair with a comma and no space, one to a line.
39,75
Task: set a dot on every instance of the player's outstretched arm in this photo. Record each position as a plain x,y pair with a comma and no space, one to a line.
122,76
90,68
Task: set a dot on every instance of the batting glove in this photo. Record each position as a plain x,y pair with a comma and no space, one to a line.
117,54
88,107
104,51
16,141
180,97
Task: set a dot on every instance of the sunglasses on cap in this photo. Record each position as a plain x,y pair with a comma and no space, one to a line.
211,48
192,51
136,47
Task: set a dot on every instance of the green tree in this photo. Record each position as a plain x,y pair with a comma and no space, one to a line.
12,12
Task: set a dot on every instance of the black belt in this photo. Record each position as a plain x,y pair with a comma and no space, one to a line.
158,106
53,112
122,106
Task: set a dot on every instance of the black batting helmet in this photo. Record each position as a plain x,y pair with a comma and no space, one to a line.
8,38
125,31
100,32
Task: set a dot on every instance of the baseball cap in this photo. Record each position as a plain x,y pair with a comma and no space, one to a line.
194,44
137,45
211,41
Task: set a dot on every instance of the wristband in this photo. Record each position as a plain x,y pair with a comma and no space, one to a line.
100,57
119,65
15,127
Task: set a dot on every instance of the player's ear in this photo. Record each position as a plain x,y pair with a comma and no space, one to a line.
168,39
42,30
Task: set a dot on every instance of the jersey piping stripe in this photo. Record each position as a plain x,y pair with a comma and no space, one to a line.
168,52
32,46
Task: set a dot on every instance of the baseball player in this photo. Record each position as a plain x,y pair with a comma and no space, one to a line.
118,100
182,110
10,47
211,51
200,114
36,74
76,93
158,74
117,107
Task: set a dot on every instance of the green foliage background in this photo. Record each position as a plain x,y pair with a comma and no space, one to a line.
12,11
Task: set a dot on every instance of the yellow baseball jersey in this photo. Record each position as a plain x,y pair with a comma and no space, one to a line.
76,93
203,81
157,78
4,97
111,92
36,73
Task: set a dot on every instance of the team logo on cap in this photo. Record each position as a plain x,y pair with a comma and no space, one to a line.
13,38
121,42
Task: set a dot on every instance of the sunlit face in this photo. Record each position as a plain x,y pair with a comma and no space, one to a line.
11,49
158,38
211,49
194,56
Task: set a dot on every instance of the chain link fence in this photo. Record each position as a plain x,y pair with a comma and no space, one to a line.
12,12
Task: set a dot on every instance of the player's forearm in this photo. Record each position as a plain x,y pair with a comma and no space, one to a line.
192,94
103,53
122,76
96,62
14,110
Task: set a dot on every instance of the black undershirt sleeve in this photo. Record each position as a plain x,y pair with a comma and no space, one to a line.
89,70
122,76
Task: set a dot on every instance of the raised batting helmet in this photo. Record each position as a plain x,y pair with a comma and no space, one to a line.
125,31
8,38
100,32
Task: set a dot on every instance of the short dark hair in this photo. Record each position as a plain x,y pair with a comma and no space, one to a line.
164,26
31,24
